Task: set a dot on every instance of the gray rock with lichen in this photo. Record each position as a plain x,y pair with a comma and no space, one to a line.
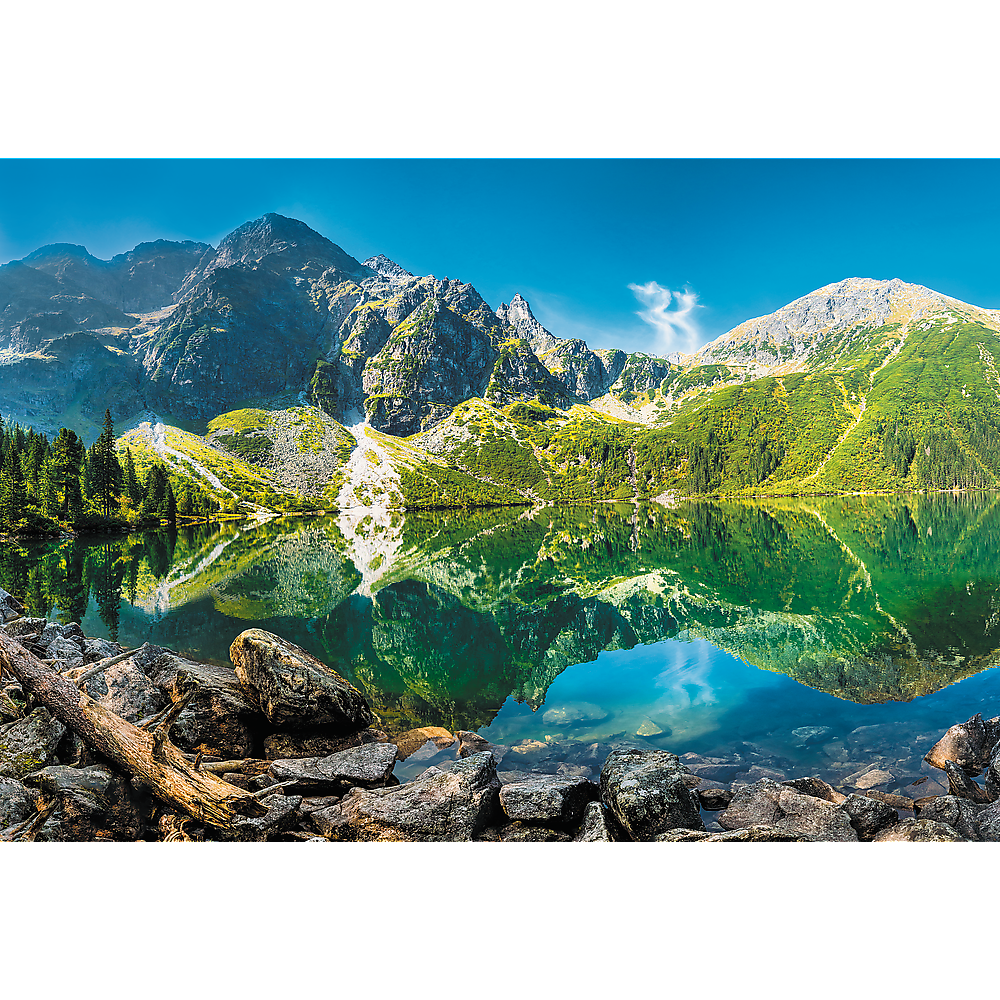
30,743
765,802
436,806
646,792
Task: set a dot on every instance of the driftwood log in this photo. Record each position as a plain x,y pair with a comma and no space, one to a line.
149,757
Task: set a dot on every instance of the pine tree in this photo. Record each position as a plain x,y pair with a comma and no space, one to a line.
67,461
105,470
155,500
13,495
38,446
48,497
132,486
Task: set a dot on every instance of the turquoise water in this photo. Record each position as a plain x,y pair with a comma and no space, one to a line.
804,637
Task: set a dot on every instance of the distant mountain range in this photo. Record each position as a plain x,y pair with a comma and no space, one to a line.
278,364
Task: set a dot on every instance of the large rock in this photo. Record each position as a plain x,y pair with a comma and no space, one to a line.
412,740
92,804
437,805
548,800
220,718
317,743
16,802
10,607
594,828
366,766
24,627
920,831
818,787
766,803
645,792
123,688
969,745
530,833
746,835
294,689
869,817
29,743
960,814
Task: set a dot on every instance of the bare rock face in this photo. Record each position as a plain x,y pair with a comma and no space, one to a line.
757,833
869,817
816,787
292,688
594,829
969,820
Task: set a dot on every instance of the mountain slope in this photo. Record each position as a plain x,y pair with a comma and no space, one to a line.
863,384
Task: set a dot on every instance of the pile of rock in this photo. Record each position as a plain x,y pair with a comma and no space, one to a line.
287,728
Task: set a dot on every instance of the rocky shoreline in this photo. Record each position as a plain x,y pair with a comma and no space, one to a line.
286,732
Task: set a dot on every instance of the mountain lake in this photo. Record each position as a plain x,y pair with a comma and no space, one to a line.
826,636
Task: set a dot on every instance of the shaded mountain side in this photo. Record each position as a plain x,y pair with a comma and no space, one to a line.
145,278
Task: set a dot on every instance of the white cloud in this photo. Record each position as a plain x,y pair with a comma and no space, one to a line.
677,328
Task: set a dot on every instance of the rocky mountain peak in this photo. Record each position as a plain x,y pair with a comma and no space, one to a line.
286,244
387,268
793,330
56,251
68,262
519,317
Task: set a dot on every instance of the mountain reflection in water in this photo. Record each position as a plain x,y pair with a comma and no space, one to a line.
694,628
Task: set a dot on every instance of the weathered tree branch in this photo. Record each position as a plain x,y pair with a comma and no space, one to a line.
167,772
101,665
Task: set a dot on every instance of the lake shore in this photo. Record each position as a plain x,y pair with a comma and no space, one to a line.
285,732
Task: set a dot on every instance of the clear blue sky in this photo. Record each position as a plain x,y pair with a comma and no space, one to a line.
744,236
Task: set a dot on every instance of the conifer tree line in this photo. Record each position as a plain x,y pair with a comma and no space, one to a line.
48,484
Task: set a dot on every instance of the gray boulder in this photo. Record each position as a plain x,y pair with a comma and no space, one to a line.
99,649
219,719
762,834
919,831
92,804
594,828
65,651
961,815
817,787
436,806
24,627
529,833
294,689
16,802
366,766
123,688
714,799
282,814
10,607
29,744
869,817
766,803
548,799
645,792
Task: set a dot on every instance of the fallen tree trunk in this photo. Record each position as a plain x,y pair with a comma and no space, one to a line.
148,756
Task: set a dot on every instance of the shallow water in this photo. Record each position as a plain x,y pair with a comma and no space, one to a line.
813,637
